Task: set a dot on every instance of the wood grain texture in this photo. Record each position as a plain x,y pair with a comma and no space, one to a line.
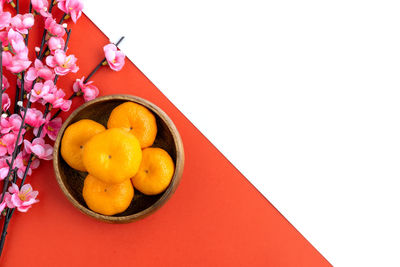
168,138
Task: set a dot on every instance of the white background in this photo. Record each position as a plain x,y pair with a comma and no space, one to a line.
301,96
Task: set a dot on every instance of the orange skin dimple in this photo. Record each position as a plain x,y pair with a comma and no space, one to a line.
112,156
137,120
107,199
75,138
155,171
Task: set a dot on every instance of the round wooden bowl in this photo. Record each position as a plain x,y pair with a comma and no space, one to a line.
168,138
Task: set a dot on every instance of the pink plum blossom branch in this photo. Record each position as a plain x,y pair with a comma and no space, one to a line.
44,33
19,94
27,35
101,63
22,89
47,109
37,80
10,212
14,155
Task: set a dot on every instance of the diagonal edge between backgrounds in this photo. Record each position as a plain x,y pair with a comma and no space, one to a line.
230,163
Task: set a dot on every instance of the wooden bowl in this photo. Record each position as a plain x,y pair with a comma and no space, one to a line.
168,138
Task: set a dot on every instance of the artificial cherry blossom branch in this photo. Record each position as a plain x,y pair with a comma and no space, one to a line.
43,53
45,32
22,91
14,155
17,160
47,110
17,148
101,63
27,35
10,212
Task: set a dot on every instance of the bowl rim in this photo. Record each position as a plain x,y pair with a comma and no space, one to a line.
179,164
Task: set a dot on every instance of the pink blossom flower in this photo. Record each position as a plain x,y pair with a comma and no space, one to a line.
4,168
18,65
5,19
12,123
40,90
72,8
88,90
21,162
8,35
34,117
39,148
7,143
39,70
6,102
62,63
57,100
7,58
14,36
51,128
55,43
21,199
41,6
22,23
20,49
5,83
20,61
115,58
53,28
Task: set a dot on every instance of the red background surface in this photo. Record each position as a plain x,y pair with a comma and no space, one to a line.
215,218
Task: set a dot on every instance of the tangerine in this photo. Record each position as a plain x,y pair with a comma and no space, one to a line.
135,119
112,156
155,172
107,199
74,140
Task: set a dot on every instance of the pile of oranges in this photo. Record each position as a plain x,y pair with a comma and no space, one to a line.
117,159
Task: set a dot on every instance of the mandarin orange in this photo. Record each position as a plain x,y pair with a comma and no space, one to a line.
136,119
107,199
112,156
155,171
74,140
